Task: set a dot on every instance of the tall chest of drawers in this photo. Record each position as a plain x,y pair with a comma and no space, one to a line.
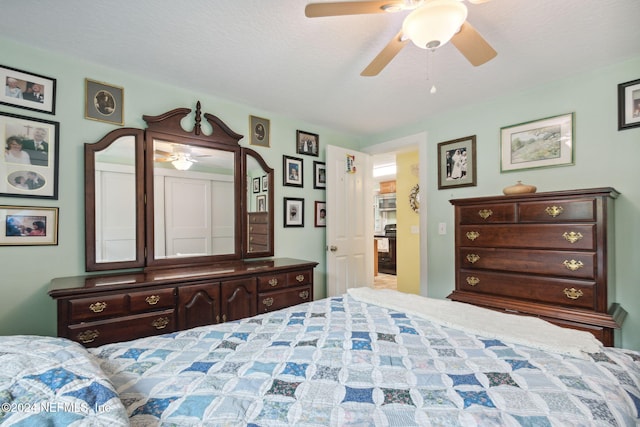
545,255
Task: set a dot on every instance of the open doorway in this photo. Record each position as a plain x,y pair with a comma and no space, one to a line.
385,221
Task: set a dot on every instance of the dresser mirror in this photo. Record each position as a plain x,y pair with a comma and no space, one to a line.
199,192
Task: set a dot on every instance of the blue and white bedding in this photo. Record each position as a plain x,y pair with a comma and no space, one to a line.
363,359
54,382
345,361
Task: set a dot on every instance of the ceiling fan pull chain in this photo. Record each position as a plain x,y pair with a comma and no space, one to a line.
430,69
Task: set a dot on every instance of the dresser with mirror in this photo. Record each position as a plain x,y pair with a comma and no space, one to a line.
176,233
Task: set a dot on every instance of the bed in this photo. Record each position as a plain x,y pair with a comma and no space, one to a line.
368,357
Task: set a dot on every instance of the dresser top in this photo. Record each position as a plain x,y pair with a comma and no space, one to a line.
589,192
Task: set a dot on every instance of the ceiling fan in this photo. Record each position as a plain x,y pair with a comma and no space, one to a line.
180,156
429,25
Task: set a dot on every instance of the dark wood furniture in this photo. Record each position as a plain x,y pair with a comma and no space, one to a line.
258,232
543,255
101,309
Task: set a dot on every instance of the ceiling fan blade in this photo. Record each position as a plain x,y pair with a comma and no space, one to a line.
315,10
162,152
385,56
471,44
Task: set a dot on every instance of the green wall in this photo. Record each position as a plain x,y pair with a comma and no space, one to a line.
604,157
25,307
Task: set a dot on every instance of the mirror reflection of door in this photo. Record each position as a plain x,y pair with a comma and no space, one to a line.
194,201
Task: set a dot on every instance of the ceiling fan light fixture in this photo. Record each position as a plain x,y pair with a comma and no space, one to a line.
182,163
434,23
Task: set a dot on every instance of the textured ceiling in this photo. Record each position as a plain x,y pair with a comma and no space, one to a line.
267,54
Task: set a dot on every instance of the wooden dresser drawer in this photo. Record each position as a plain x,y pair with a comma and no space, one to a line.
151,300
570,293
557,211
271,282
488,214
258,239
272,301
93,334
97,307
256,228
578,265
258,217
551,236
300,278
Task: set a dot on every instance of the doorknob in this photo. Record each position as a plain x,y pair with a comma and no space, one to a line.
333,248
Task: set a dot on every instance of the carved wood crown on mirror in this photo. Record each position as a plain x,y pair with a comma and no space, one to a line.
164,196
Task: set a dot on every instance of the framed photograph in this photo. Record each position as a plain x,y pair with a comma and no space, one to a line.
27,90
319,175
259,131
261,203
28,226
256,185
104,102
293,212
457,163
292,172
29,165
321,214
540,143
265,183
629,105
307,143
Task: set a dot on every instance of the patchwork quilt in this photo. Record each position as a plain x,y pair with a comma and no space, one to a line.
344,362
54,382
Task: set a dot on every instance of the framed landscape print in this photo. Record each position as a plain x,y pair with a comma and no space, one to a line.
292,172
28,90
104,102
259,131
28,226
457,163
307,143
539,143
629,105
293,212
29,165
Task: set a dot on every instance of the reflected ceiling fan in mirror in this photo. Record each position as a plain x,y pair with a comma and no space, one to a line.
429,25
180,156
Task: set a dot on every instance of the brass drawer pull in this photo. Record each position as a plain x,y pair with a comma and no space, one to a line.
268,301
573,265
160,323
573,293
152,299
472,235
485,213
224,317
572,236
473,258
300,278
273,282
251,228
472,280
88,336
98,307
304,294
251,238
554,211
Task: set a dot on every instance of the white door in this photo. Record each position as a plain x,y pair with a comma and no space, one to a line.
349,220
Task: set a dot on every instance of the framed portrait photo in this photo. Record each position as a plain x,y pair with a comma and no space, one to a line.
28,226
29,164
307,143
104,102
537,144
293,212
629,105
319,175
256,185
292,172
28,90
259,131
457,163
320,214
265,183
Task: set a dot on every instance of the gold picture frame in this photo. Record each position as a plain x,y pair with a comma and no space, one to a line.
104,102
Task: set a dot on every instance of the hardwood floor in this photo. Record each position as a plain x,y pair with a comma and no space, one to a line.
385,281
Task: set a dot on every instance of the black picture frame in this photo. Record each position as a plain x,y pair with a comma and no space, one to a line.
457,163
259,131
629,105
265,183
104,102
32,91
319,175
261,203
30,164
292,171
293,212
320,216
256,185
307,143
28,226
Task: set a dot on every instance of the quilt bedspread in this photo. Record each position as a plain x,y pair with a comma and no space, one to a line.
54,382
341,362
